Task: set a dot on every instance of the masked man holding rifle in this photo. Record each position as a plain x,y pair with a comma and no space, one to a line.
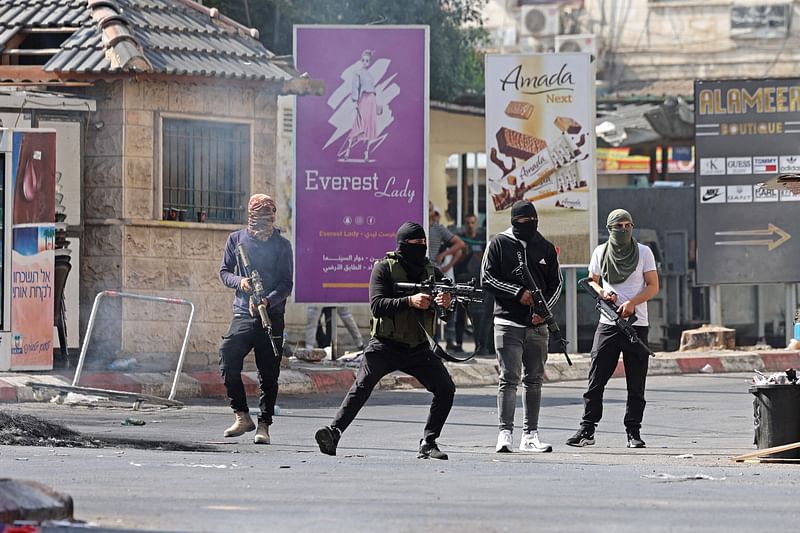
629,280
520,333
270,255
401,329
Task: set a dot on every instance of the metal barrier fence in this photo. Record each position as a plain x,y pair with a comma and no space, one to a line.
117,294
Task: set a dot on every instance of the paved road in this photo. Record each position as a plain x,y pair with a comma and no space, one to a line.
694,424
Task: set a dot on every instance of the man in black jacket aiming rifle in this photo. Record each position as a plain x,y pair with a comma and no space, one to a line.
629,278
521,336
401,327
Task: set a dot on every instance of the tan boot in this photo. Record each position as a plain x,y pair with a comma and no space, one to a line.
241,425
262,435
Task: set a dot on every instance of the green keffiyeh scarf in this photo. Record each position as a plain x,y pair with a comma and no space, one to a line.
621,254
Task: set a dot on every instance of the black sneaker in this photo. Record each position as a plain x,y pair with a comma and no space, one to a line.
634,439
430,451
584,437
327,438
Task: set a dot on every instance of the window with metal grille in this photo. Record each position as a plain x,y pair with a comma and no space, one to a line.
206,170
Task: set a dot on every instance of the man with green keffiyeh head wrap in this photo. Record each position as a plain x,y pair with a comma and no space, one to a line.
623,271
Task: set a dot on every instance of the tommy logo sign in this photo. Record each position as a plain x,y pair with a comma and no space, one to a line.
765,165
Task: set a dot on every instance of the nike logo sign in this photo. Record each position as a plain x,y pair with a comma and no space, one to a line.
711,194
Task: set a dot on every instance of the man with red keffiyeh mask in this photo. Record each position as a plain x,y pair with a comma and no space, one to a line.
271,255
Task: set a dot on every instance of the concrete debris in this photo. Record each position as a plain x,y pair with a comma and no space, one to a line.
313,355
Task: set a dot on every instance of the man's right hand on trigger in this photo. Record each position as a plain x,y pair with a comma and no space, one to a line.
420,300
245,286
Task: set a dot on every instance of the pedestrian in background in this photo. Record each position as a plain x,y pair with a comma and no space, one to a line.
468,268
444,250
520,334
313,313
627,271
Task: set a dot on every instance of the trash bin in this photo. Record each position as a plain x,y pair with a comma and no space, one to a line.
775,417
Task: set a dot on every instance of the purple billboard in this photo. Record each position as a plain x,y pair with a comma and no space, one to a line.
360,153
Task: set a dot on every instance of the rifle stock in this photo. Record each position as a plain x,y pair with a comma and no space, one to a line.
610,310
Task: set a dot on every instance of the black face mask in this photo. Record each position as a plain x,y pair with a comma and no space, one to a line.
526,231
415,254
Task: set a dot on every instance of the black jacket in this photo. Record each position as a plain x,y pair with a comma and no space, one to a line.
501,274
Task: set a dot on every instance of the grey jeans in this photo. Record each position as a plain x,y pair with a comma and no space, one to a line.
520,352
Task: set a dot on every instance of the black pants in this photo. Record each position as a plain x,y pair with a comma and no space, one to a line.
380,360
246,333
608,343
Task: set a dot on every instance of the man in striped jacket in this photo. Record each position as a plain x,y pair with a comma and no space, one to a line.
521,336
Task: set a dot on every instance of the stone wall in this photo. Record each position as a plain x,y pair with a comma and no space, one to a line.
127,247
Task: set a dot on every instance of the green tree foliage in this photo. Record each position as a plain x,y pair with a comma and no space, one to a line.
456,31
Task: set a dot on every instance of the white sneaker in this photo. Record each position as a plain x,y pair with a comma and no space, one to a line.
505,442
531,443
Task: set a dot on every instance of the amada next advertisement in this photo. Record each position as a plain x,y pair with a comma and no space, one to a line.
360,154
540,146
32,258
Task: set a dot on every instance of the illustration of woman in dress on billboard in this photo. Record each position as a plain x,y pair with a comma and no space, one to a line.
365,124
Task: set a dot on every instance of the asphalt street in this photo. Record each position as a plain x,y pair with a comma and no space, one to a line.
684,480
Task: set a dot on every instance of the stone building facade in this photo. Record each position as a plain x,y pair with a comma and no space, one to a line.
128,247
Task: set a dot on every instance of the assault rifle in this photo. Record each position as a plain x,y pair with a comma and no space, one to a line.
610,310
540,308
459,292
258,295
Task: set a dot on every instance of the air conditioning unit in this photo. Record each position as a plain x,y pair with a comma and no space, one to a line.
577,43
502,38
539,21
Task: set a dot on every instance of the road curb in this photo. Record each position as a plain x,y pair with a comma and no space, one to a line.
307,379
29,500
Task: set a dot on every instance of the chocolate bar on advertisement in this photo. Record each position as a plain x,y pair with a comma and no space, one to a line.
560,155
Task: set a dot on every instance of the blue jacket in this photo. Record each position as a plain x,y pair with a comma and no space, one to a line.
273,260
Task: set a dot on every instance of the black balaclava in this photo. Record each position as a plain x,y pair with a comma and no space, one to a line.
413,256
528,230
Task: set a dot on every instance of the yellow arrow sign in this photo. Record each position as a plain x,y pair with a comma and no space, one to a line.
769,243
